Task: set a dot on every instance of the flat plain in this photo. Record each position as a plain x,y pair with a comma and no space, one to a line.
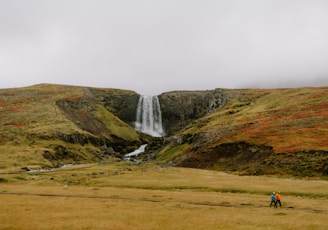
127,196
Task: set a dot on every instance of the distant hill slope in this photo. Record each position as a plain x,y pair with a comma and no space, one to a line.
258,131
48,125
244,131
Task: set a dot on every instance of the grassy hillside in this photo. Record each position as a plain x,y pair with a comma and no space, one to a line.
46,125
255,131
259,131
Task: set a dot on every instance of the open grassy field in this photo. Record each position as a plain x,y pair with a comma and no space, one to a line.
125,196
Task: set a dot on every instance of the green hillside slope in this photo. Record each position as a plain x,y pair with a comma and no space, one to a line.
259,131
246,131
48,125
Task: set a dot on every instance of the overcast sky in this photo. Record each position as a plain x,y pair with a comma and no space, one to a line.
155,46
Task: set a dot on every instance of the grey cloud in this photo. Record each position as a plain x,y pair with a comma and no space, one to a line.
156,46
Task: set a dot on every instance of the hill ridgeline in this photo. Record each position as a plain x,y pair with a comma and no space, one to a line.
242,131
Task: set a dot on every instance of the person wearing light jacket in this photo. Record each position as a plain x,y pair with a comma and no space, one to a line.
273,200
278,199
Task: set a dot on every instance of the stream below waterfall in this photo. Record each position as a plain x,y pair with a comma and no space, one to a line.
136,152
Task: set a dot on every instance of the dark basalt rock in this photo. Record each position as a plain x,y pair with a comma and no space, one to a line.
179,108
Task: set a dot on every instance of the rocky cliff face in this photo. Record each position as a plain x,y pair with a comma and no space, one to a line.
89,114
122,103
179,108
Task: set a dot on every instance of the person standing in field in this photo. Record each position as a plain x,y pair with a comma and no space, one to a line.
273,200
278,199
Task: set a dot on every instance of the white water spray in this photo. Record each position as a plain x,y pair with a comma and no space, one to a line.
136,152
149,116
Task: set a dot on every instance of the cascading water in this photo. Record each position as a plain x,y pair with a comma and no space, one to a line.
149,116
148,120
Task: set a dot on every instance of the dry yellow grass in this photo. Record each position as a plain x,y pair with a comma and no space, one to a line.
135,209
149,197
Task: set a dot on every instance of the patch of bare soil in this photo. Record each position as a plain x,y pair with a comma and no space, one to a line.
241,157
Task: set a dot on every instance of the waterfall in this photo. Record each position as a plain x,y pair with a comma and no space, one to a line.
149,116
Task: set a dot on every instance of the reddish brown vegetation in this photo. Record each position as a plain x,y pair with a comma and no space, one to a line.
16,124
13,108
2,103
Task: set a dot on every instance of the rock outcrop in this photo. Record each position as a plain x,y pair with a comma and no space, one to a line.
122,103
179,108
89,115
